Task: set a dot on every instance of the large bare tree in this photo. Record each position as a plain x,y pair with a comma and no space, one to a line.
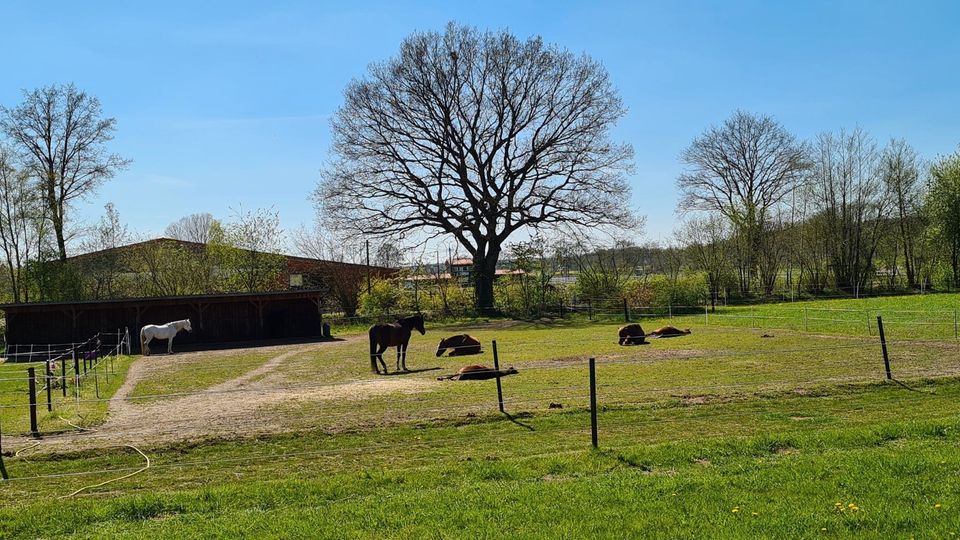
742,169
477,135
61,136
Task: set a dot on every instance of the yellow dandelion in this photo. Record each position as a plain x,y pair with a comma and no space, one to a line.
824,529
936,505
754,513
851,505
838,504
735,509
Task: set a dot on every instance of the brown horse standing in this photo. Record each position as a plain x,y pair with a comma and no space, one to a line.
393,335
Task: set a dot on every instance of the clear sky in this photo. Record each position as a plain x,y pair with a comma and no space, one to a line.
223,104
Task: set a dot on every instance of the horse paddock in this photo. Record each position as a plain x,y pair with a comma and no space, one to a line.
328,386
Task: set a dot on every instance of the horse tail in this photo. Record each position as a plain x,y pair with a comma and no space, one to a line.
373,348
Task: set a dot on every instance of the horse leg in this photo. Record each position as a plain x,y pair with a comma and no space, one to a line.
170,345
379,356
398,357
405,357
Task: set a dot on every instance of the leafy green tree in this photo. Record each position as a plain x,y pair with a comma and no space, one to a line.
944,202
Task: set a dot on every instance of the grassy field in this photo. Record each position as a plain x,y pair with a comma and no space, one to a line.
80,409
723,433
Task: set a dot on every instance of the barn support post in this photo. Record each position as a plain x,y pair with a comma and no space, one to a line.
593,402
883,347
496,367
32,389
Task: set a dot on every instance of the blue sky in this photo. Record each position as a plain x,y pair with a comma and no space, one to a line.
228,104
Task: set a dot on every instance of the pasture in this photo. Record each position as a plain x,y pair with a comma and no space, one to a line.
724,431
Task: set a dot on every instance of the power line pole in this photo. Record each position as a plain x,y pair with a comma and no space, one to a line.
368,265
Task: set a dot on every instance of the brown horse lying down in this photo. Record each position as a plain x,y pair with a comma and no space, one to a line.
477,372
669,331
632,334
461,345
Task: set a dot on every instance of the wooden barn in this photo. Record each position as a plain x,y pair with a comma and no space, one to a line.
216,318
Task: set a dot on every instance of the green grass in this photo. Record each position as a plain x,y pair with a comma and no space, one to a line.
690,428
81,410
661,472
929,316
172,376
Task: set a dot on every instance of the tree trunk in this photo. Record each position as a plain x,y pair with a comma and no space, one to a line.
484,272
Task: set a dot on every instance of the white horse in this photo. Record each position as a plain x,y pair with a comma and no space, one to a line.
163,331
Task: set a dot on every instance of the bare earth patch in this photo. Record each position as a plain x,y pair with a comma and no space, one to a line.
238,407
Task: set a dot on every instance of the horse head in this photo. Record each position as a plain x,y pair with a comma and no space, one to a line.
443,346
186,325
414,323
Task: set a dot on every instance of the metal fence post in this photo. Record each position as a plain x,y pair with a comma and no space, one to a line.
49,385
593,402
883,346
496,366
63,376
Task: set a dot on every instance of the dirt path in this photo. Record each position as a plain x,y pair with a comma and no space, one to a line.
239,406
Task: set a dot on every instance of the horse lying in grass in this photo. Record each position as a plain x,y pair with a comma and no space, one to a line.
477,372
669,331
162,331
396,335
461,345
632,334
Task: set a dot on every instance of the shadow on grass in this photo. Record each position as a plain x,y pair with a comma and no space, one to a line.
514,419
409,371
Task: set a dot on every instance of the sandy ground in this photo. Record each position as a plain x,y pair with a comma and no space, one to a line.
237,407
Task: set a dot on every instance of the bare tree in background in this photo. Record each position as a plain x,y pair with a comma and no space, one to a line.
707,239
104,268
900,166
850,196
742,169
21,214
341,281
192,228
61,137
477,135
249,248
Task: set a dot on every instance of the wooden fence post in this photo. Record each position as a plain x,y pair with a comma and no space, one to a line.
883,346
496,366
3,468
593,402
32,388
590,309
626,311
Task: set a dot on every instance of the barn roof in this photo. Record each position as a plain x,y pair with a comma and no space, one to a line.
167,300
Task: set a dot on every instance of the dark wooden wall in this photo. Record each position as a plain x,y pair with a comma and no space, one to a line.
214,321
